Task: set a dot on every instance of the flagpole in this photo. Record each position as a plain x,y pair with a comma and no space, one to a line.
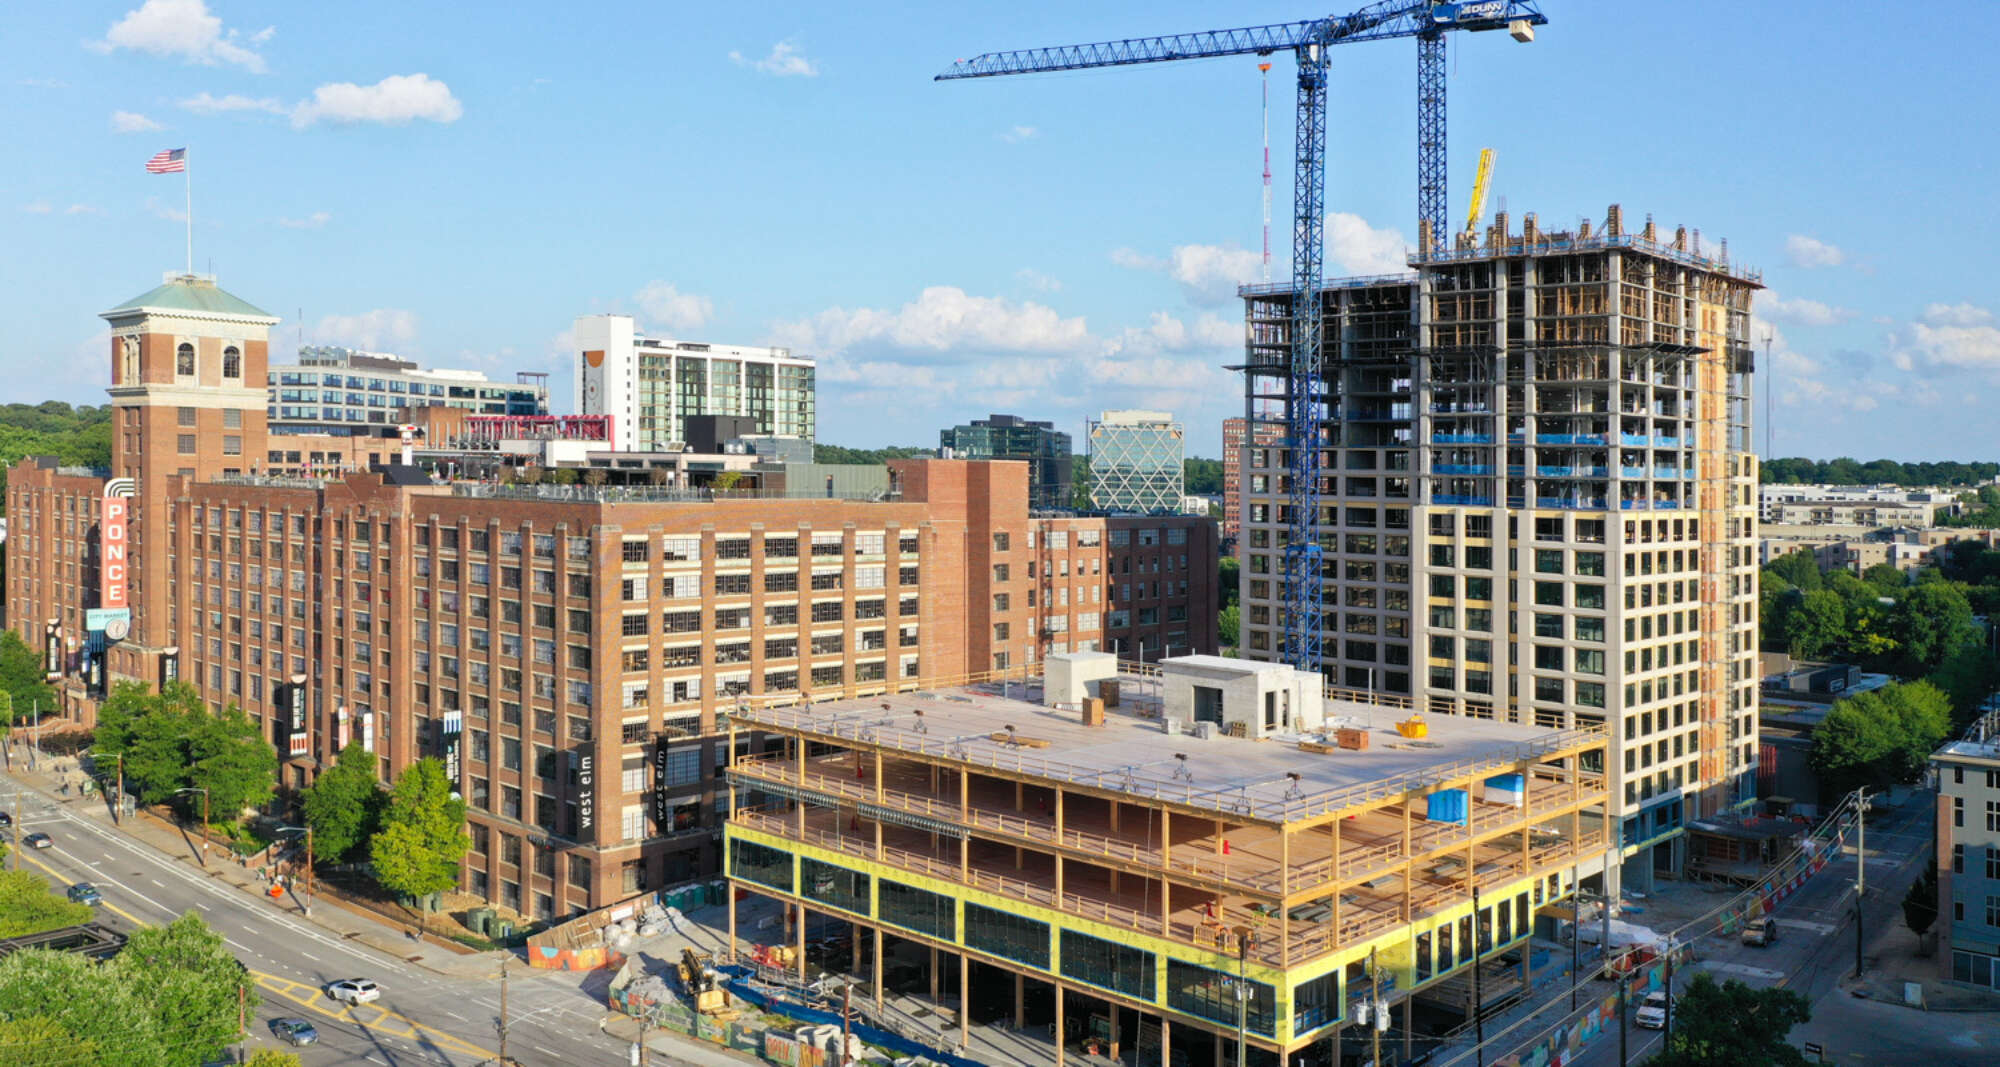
188,176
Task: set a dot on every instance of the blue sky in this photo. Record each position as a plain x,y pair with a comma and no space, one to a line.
457,183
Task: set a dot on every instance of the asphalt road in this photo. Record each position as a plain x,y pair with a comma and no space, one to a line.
422,1018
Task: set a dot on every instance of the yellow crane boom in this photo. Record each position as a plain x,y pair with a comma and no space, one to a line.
1479,183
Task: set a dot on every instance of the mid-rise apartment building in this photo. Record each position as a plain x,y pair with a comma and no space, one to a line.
1968,855
650,385
1538,500
1045,449
536,637
1138,462
343,392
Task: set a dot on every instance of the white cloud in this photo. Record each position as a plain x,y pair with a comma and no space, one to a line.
943,318
1354,247
785,61
380,330
1017,134
1949,336
667,308
204,104
397,99
1812,252
311,222
182,28
1801,312
83,209
132,122
38,207
162,210
1038,281
1208,274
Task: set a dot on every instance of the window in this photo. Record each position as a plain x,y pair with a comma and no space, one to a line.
836,886
185,444
915,909
1118,967
1549,594
1007,935
761,864
1211,994
1549,560
232,445
184,361
232,363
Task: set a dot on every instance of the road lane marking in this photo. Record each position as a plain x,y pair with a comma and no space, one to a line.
383,1020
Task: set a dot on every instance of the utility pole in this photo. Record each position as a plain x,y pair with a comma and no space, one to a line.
1860,869
15,855
503,1013
242,1030
1670,997
1374,1016
1624,1057
118,800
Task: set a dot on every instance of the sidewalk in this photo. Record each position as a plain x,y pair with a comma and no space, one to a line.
336,917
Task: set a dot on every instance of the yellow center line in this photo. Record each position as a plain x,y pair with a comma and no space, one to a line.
312,999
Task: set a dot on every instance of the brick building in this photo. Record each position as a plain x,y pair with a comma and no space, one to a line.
568,651
1236,437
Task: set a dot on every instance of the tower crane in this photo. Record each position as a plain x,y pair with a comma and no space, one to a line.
1308,41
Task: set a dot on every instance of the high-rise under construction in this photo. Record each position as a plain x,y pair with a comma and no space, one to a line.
1537,500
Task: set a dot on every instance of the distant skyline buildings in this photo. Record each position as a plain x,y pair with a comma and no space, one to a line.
650,386
1137,462
1044,448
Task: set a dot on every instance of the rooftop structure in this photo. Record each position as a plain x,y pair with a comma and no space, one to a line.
1104,830
344,392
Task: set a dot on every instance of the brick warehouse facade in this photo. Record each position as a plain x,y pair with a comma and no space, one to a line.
569,651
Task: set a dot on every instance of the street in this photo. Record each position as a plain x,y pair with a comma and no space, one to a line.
424,1017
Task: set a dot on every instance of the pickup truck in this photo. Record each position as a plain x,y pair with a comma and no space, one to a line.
1653,1011
1760,932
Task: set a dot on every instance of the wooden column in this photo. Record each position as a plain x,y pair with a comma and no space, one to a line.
800,944
1020,1006
1218,837
964,999
1166,1043
1409,868
1285,889
731,889
878,776
1166,907
1059,1023
876,971
1334,833
1059,880
1166,839
934,975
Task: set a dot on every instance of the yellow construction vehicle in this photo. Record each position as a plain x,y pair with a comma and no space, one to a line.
701,984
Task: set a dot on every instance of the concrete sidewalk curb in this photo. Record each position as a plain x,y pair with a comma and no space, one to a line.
168,840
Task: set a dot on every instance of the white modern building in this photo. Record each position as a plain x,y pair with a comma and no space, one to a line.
651,385
345,392
1137,462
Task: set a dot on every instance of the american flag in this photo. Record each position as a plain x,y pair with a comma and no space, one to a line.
171,161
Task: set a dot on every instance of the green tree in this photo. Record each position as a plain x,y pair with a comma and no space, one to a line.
21,676
1228,588
77,1016
1799,567
423,836
270,1057
188,980
40,1039
1202,476
1229,626
1880,737
1816,624
1886,578
1920,904
6,712
1734,1025
28,905
344,806
1931,621
229,757
1968,677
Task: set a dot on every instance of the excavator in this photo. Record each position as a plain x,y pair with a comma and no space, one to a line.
702,984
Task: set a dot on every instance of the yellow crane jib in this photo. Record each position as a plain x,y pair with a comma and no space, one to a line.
1479,183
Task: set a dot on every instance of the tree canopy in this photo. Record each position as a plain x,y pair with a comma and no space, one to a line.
29,905
344,806
75,436
1734,1025
1880,737
423,836
171,742
169,999
22,678
1797,470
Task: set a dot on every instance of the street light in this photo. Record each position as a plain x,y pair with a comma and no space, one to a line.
305,902
203,790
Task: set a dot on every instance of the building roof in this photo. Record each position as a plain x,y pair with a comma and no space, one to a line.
1006,729
192,292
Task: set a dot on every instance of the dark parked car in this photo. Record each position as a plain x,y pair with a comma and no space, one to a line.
6,819
294,1031
39,841
85,893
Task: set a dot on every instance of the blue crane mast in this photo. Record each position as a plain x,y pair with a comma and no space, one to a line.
1308,41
